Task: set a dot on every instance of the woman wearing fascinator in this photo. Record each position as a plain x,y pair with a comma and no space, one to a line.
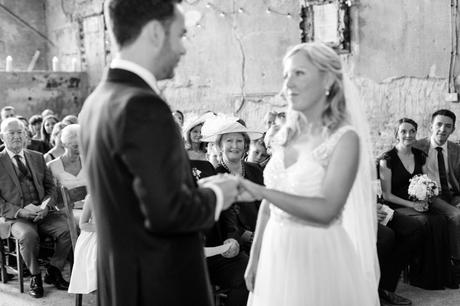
315,242
232,139
195,147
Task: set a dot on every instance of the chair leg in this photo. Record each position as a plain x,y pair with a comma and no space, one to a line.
78,299
406,275
19,264
3,262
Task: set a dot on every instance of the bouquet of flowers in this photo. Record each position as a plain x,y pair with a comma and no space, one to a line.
422,189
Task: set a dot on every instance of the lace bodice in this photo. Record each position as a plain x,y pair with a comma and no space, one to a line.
305,176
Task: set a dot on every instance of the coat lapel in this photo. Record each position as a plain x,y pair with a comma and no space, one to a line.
8,165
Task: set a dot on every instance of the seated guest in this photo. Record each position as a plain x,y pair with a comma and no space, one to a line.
196,149
396,167
46,129
26,181
34,144
397,242
47,112
35,125
443,166
232,140
70,119
179,117
269,119
226,270
212,154
258,152
57,149
280,119
66,169
7,112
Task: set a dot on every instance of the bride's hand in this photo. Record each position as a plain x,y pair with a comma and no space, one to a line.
249,191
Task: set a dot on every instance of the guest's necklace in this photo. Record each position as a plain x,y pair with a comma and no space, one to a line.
242,172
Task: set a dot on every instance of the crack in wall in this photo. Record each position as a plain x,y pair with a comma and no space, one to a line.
243,64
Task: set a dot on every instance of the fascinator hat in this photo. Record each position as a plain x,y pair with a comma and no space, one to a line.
194,121
223,124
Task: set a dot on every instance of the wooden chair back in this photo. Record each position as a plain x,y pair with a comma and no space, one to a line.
69,197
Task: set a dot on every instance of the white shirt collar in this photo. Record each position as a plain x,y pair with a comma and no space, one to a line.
433,145
12,154
140,71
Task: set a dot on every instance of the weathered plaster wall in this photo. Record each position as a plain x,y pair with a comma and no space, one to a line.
392,99
227,58
400,56
234,57
403,38
19,41
400,61
32,92
77,27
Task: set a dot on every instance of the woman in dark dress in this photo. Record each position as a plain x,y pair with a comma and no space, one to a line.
396,167
232,140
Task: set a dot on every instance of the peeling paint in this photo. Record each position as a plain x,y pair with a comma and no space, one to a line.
32,92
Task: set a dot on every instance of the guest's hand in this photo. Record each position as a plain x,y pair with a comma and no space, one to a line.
381,215
233,250
249,191
41,214
26,214
227,183
421,206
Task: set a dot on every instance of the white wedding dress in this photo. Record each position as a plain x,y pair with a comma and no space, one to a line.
302,263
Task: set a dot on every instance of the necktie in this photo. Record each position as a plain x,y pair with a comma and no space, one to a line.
442,173
21,166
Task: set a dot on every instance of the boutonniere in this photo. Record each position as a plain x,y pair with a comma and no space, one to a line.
196,173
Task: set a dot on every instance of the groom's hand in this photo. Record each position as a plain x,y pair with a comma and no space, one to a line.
227,183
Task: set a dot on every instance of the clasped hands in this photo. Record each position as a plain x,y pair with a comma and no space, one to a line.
234,188
34,216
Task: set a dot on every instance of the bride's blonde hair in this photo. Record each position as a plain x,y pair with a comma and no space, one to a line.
327,60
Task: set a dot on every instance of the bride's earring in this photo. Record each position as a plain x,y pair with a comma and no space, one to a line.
327,92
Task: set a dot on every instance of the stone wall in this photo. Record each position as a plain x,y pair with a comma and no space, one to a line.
233,62
19,40
399,59
32,92
77,27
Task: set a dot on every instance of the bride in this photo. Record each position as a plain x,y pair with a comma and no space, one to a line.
316,229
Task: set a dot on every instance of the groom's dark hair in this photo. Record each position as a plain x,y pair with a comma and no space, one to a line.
128,17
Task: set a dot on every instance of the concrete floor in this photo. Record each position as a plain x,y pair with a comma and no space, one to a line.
10,296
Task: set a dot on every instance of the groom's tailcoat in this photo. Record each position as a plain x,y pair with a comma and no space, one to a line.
148,210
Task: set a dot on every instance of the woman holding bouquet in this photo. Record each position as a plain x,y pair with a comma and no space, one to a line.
396,168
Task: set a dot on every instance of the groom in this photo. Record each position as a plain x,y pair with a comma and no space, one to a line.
149,212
